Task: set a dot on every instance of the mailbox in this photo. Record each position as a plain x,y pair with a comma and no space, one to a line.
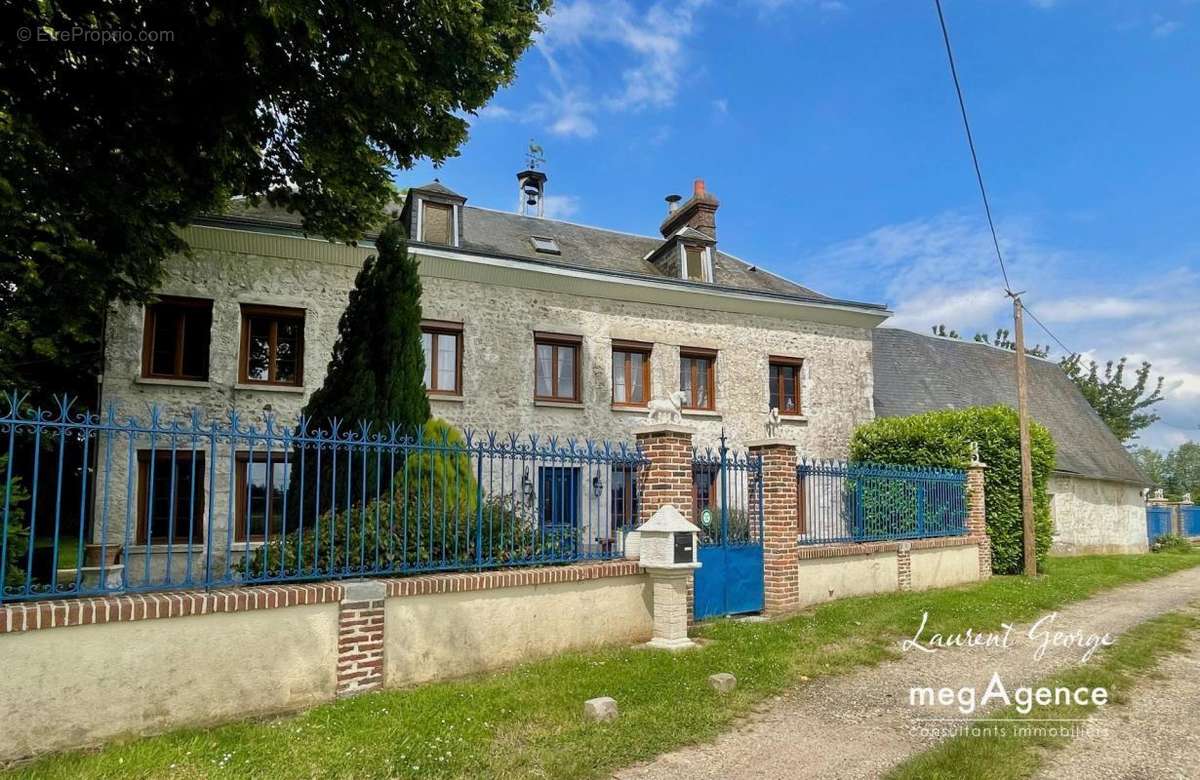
685,547
668,541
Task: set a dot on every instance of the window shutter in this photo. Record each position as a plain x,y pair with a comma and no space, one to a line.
435,223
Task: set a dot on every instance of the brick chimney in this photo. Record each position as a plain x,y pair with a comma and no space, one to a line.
698,212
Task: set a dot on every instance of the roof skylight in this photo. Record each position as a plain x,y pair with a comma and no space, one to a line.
547,246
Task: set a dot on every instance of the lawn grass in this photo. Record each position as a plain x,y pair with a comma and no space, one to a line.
999,755
527,721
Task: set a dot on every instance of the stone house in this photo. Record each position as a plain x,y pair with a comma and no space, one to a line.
532,325
1096,489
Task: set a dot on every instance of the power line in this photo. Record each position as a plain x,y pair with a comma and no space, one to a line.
971,142
1049,332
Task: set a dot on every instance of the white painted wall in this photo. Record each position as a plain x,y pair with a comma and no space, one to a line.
1096,516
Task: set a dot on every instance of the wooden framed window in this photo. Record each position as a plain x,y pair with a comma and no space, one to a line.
437,223
170,497
623,497
175,339
556,367
631,373
784,384
272,346
697,378
695,262
442,343
261,482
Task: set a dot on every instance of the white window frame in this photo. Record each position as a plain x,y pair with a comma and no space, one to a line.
707,263
454,217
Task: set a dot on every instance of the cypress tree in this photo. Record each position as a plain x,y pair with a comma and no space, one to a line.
375,376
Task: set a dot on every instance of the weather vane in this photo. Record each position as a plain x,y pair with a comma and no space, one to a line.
535,156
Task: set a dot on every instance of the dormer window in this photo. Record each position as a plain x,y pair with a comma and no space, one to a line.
437,223
433,214
696,263
545,246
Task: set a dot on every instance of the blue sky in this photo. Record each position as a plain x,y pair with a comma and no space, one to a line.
830,133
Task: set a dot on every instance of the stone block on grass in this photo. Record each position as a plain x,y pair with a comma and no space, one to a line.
601,709
722,682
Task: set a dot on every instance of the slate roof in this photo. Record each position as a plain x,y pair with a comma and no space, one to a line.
916,373
589,248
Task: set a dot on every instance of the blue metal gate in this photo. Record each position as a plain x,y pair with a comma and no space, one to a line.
1158,522
1190,516
727,505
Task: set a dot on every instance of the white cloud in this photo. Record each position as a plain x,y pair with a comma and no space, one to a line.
585,42
1161,27
495,112
942,270
827,6
561,206
569,114
721,105
1088,308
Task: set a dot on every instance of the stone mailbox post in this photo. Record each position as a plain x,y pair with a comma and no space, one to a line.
669,550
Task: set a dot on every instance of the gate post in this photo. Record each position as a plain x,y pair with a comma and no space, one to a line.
781,574
977,516
666,480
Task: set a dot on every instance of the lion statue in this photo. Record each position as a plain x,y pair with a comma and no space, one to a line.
668,407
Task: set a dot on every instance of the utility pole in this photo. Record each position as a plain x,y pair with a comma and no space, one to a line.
1030,547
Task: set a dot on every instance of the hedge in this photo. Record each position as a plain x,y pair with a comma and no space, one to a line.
943,439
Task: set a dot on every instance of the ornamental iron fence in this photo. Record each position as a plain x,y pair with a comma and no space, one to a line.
726,495
103,503
868,502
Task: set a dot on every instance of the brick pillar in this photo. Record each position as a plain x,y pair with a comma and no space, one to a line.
977,517
360,637
904,566
781,574
668,478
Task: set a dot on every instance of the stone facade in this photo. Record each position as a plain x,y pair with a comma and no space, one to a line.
1096,516
500,309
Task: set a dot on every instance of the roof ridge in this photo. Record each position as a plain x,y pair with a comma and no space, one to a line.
960,340
566,222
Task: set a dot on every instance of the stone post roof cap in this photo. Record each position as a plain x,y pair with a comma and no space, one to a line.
668,519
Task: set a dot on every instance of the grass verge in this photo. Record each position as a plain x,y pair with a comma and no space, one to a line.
1001,753
527,721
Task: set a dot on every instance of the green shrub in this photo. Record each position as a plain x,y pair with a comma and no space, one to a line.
1173,543
18,532
429,519
943,440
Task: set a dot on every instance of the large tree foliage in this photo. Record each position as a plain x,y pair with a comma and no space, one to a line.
106,147
1120,404
1177,472
376,374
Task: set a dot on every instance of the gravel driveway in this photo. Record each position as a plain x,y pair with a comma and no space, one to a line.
1151,736
862,724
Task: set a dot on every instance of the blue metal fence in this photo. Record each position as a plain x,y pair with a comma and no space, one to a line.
1159,522
1189,517
726,499
99,504
727,504
868,502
